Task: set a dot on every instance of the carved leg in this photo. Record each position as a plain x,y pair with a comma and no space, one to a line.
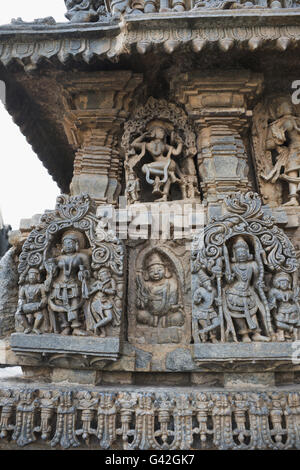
38,323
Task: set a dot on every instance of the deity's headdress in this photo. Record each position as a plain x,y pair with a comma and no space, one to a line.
77,237
154,258
240,243
281,276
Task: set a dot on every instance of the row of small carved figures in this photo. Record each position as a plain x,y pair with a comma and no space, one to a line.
232,420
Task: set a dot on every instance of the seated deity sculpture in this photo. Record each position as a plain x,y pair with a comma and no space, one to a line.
243,294
158,295
67,282
102,309
204,311
32,302
284,301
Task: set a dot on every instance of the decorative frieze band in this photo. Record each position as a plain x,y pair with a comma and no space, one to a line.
166,420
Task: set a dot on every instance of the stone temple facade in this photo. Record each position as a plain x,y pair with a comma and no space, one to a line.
157,306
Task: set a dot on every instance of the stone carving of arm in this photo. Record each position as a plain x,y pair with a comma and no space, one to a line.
142,297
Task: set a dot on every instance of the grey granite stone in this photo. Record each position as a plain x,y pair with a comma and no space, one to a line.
54,344
143,359
8,292
179,360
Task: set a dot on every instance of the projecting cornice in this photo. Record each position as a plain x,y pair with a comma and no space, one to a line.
28,43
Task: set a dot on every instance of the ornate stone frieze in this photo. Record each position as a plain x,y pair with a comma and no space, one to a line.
159,132
142,420
244,282
71,276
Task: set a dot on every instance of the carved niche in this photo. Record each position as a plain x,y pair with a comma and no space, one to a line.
276,144
71,276
160,146
244,278
159,309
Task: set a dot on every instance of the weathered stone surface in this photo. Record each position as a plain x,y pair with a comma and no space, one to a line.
8,292
246,381
227,352
107,348
179,360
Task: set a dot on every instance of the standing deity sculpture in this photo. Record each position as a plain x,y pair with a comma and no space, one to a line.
244,297
285,303
102,309
160,147
246,268
205,315
32,304
68,244
67,281
157,295
279,141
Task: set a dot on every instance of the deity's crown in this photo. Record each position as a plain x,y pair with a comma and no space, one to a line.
153,259
282,275
166,126
75,236
240,243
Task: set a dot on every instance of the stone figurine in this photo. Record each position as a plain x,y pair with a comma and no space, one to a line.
157,295
32,303
102,309
69,273
163,170
84,11
284,138
205,314
243,293
160,140
284,300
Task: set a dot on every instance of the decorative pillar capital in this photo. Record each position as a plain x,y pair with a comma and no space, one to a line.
219,104
96,107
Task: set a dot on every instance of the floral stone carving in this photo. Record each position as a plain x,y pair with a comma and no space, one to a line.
71,274
244,281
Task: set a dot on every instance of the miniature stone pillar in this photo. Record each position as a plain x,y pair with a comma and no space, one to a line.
219,104
97,106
